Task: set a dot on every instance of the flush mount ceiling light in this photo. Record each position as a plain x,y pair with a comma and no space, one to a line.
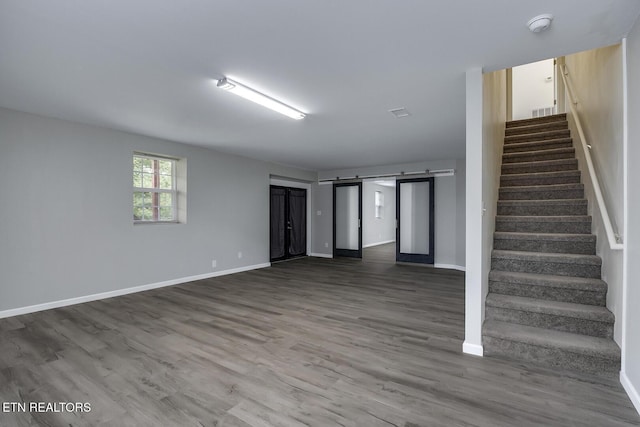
540,23
259,98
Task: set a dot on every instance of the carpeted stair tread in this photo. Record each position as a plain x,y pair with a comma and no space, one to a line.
570,224
561,264
557,308
536,120
540,178
545,257
540,166
551,237
537,136
536,127
545,242
535,208
542,192
538,145
574,343
578,290
535,155
565,282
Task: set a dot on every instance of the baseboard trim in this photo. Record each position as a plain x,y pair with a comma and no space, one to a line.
450,266
473,349
119,292
319,255
631,390
370,245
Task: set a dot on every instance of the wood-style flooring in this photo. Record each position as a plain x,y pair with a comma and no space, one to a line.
385,253
310,342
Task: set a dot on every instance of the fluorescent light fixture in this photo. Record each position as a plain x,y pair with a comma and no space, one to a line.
259,98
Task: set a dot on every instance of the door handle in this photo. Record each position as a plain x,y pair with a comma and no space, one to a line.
359,223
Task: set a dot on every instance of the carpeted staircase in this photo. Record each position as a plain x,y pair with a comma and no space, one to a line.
546,302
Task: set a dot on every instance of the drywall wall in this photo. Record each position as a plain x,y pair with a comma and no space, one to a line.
474,296
630,375
460,210
494,116
378,230
448,212
67,228
533,87
596,78
486,116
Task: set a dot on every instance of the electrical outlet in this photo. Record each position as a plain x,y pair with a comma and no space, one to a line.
240,254
318,213
326,244
214,263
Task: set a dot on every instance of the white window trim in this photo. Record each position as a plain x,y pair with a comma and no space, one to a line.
174,190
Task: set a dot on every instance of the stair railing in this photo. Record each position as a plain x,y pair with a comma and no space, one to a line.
615,241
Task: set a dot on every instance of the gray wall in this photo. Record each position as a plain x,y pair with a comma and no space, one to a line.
460,184
449,208
631,339
66,210
596,78
378,230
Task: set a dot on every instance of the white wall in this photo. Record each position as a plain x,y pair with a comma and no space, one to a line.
378,230
596,78
67,228
449,212
531,88
630,375
486,116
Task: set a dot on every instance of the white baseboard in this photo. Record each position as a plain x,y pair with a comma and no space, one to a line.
450,266
633,393
378,243
319,255
119,292
474,349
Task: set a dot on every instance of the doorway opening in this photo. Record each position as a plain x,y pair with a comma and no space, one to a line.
385,221
533,90
379,221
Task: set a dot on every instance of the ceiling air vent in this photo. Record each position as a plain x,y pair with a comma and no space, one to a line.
400,112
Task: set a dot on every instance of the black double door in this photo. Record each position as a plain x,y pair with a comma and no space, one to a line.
288,223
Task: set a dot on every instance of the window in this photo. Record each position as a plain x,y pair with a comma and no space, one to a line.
379,203
154,189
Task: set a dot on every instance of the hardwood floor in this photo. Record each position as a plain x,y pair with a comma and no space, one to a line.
310,342
381,253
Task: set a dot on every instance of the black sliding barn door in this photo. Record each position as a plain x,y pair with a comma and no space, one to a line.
347,218
288,222
415,220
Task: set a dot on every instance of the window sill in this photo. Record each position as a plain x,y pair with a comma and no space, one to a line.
156,223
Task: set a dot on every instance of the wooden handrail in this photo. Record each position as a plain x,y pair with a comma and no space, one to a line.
615,241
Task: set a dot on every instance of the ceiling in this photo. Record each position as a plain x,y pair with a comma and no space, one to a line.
147,66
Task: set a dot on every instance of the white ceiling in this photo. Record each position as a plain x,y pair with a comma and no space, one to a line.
146,66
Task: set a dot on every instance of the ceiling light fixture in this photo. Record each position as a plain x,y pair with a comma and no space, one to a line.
540,23
259,98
